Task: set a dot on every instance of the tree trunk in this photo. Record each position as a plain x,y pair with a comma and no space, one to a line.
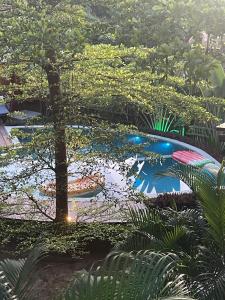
56,103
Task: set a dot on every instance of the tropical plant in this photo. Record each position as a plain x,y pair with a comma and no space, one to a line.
196,236
210,191
162,120
17,276
164,230
134,275
141,276
206,278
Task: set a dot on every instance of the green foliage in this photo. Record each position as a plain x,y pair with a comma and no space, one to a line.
162,120
142,275
17,276
120,85
210,191
72,239
30,29
198,65
164,230
217,82
207,279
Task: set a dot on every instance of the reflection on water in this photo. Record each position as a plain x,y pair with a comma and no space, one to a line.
149,182
163,148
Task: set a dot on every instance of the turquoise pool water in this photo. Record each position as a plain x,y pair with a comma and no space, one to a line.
155,145
146,178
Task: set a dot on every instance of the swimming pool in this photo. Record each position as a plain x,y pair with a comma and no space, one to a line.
143,175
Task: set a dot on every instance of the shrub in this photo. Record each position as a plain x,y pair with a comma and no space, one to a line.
72,239
181,201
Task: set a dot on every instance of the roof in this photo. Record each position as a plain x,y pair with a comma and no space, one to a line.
221,127
3,109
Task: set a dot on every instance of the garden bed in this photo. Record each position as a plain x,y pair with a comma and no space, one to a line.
58,271
71,248
73,240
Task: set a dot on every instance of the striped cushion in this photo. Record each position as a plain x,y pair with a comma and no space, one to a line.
190,158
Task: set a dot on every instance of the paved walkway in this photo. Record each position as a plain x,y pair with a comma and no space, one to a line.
5,140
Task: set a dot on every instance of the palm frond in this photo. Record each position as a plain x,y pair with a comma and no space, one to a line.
145,219
140,276
191,175
211,194
165,230
209,275
17,276
140,240
172,237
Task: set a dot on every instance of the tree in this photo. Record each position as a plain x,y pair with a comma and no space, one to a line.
47,34
173,28
48,38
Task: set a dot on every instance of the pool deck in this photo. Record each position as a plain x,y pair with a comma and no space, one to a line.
80,210
5,140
